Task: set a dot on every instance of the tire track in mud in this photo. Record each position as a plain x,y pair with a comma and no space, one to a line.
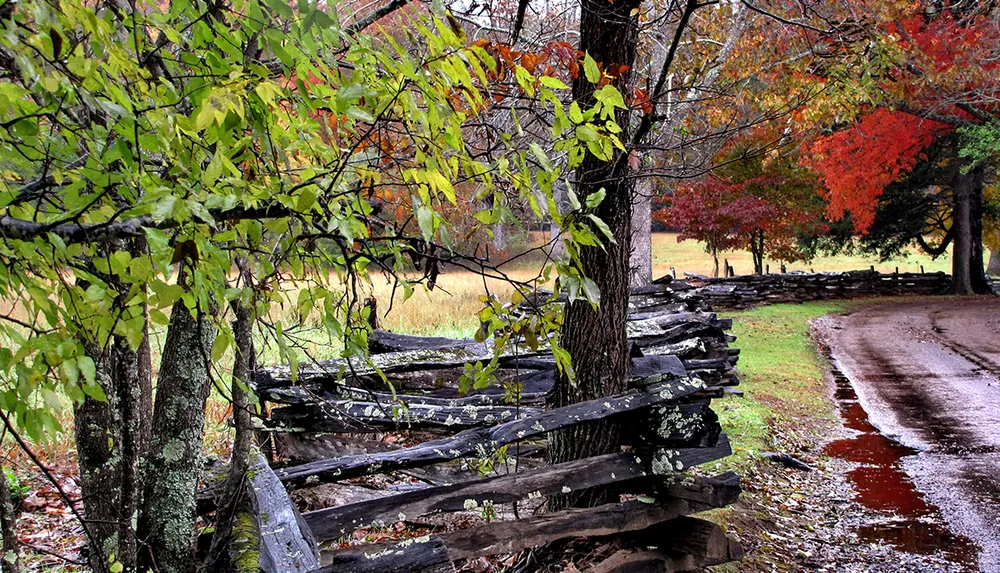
914,405
983,362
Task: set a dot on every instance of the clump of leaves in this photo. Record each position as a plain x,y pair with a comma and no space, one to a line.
18,489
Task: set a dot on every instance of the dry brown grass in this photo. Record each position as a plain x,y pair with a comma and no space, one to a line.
690,256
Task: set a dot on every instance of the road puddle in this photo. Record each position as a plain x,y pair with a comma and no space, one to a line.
881,484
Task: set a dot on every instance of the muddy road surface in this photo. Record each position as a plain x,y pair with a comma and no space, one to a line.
921,389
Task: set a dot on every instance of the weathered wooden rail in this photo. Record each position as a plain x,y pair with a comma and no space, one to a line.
327,421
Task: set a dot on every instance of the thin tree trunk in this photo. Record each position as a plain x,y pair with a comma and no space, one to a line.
244,366
9,560
134,404
961,269
757,251
595,338
976,268
166,524
715,260
994,267
641,257
97,429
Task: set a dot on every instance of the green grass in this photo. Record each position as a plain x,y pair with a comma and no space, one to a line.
781,375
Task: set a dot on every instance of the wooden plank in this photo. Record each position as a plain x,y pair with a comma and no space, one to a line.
334,522
513,536
286,544
382,341
686,424
535,384
644,561
312,394
690,536
668,461
421,555
487,440
350,416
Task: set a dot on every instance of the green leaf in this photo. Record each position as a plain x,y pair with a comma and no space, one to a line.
87,368
586,133
591,70
95,391
610,97
595,198
551,82
539,154
603,227
590,291
307,198
425,219
219,346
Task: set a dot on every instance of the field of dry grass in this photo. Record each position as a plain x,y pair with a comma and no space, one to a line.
450,309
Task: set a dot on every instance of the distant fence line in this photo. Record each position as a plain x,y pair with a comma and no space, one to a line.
739,292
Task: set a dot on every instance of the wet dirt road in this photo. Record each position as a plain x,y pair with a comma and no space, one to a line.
921,389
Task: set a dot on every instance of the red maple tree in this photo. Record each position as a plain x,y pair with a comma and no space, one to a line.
855,165
759,200
937,74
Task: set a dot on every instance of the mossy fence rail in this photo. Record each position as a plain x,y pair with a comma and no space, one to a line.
326,426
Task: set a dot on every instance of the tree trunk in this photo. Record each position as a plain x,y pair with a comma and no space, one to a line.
757,251
135,396
715,260
97,428
641,258
9,561
112,438
967,252
976,267
595,338
244,366
167,522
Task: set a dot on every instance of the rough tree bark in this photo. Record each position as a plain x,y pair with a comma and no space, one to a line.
976,266
9,561
595,338
112,440
98,439
967,275
167,522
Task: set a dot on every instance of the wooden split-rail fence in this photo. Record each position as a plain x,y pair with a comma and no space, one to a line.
747,291
326,426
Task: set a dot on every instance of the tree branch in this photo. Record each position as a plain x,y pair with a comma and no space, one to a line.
374,16
24,230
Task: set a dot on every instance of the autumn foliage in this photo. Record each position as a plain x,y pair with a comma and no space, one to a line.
759,200
856,164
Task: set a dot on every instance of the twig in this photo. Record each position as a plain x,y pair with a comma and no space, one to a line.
53,554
